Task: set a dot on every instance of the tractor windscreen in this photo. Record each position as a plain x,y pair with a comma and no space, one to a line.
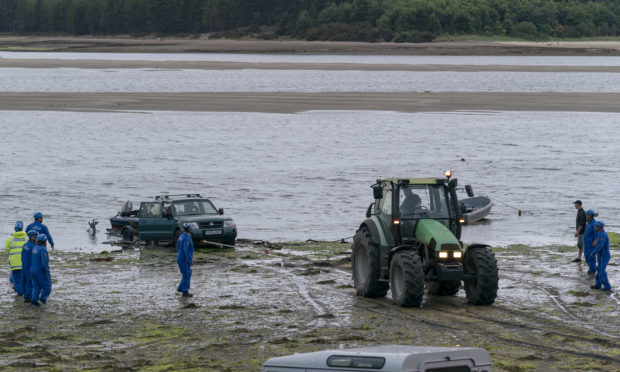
423,201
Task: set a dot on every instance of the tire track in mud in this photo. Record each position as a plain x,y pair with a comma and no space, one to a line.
492,337
495,334
457,322
529,327
551,293
302,291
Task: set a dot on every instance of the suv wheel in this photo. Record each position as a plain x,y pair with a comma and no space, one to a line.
176,235
127,234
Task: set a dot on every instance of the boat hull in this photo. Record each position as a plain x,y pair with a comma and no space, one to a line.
476,208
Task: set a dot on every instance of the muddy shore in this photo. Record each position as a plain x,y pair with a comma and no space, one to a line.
255,302
202,44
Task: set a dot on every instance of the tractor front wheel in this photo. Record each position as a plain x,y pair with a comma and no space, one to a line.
481,266
407,279
365,258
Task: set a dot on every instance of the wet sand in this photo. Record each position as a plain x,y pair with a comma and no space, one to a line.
257,302
298,102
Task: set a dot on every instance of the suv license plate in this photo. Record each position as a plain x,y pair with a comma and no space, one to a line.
213,232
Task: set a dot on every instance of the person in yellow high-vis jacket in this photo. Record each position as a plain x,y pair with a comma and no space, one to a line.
13,246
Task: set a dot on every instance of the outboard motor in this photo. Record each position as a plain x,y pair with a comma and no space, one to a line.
127,208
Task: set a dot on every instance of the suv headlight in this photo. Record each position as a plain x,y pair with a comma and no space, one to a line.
195,226
230,223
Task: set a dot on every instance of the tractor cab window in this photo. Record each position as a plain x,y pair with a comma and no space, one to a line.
423,201
385,203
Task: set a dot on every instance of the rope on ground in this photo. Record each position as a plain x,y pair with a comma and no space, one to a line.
272,245
343,240
519,211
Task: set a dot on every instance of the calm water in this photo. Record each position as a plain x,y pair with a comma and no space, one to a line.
306,175
251,80
329,58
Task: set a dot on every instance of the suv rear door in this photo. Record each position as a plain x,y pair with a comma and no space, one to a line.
153,225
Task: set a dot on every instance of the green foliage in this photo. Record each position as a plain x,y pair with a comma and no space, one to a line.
364,20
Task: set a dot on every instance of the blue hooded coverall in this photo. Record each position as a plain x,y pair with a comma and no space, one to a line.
588,239
185,256
26,263
602,256
41,229
40,272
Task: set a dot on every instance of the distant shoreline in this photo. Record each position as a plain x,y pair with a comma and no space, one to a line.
203,45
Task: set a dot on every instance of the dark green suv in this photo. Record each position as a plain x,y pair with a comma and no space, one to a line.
163,219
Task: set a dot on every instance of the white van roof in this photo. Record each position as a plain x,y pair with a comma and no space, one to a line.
383,358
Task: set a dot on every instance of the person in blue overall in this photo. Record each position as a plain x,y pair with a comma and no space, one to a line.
588,239
185,259
26,263
39,227
40,272
603,256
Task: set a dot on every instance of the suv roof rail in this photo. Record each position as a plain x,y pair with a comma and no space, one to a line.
171,196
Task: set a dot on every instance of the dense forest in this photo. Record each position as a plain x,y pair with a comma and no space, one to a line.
362,20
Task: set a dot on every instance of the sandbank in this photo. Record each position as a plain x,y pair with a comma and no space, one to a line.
287,102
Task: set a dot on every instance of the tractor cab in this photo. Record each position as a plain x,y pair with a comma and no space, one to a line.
401,204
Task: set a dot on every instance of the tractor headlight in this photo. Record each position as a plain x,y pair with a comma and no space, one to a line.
230,223
443,254
457,254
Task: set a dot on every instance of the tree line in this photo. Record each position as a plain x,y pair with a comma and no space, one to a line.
360,20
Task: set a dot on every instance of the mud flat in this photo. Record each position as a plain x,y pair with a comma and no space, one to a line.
298,102
257,302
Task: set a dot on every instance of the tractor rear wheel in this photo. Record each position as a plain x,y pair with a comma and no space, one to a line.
445,288
365,258
407,279
480,263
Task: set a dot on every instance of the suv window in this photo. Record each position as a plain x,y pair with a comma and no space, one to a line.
193,207
150,210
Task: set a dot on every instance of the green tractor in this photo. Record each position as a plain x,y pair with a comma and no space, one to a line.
411,239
